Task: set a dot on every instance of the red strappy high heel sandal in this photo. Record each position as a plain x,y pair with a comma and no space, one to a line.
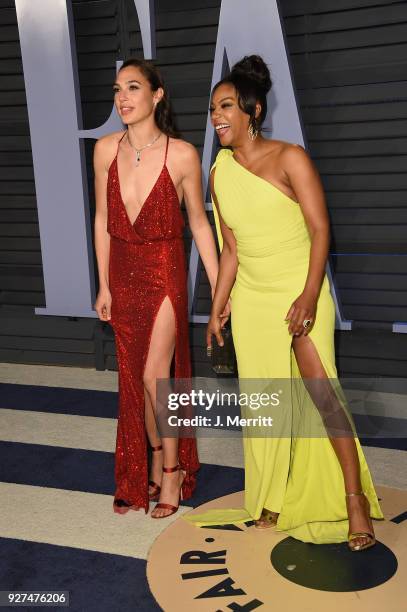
181,495
156,489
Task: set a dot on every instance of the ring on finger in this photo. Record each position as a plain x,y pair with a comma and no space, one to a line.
306,323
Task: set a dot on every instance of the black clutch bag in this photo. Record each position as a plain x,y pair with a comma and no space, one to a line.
223,358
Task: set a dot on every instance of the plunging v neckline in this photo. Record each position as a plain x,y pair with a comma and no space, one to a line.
145,201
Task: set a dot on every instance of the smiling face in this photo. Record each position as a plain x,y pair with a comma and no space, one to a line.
228,119
133,96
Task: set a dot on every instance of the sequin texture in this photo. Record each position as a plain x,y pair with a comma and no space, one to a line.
146,264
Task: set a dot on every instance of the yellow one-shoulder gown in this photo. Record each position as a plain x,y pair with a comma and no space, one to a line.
299,476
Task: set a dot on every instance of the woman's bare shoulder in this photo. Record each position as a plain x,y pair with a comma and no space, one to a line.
184,150
108,141
295,160
288,152
281,147
106,147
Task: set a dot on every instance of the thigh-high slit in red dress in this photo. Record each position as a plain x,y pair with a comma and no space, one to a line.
146,265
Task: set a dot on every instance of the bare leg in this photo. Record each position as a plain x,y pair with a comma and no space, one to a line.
335,419
158,365
155,441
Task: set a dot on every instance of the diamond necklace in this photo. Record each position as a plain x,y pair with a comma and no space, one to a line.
138,151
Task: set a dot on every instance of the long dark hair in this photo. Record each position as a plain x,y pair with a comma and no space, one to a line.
163,115
251,79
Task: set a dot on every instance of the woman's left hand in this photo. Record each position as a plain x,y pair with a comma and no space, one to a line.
302,309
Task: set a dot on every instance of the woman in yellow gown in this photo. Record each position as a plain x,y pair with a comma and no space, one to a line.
273,227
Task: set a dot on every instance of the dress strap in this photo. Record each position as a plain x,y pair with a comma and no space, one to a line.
166,150
118,144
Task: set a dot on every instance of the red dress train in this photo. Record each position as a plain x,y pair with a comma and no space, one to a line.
146,265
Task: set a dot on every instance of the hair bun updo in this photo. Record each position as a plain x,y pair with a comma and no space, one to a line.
253,67
251,79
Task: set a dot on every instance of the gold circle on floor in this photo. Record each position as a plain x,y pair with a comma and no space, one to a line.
209,569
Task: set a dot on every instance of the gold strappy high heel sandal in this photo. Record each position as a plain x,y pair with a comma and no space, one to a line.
362,534
267,519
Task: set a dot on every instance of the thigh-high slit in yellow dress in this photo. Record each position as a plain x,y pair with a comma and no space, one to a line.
298,476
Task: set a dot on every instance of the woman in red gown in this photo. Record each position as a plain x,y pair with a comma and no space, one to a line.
141,176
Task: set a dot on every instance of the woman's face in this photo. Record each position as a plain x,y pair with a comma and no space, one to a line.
133,96
228,119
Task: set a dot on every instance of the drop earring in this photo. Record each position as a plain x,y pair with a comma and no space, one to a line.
252,131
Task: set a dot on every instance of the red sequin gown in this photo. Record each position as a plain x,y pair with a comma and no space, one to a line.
147,263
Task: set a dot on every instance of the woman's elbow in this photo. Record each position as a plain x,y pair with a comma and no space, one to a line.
229,251
321,230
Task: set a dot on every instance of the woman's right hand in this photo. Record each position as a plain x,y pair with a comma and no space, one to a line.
103,305
226,313
214,329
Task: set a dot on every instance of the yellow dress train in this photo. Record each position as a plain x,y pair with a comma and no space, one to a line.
298,476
